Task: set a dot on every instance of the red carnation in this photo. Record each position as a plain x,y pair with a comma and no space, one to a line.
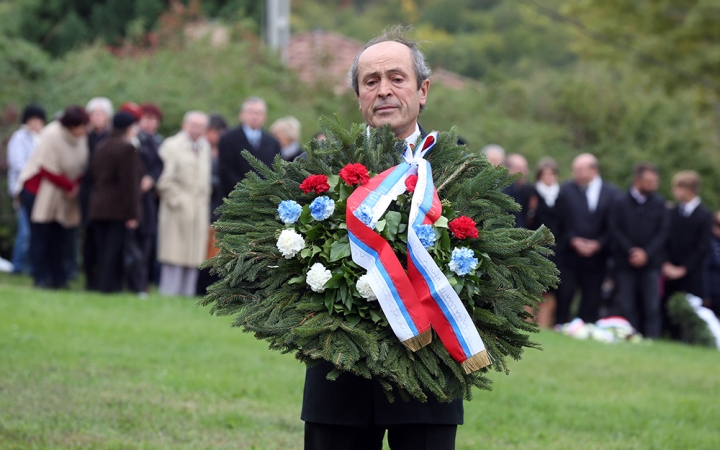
463,227
354,174
317,183
410,183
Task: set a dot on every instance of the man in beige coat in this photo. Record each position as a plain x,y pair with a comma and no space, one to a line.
184,188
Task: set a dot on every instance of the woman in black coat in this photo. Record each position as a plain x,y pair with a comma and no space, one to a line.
115,172
542,211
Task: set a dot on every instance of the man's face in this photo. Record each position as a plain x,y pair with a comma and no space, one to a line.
149,123
253,115
387,88
583,172
195,126
682,194
647,182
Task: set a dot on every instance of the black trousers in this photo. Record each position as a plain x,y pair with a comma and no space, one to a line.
400,437
109,238
589,279
89,253
640,287
49,244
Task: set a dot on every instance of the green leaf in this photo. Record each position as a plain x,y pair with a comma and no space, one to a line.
339,250
380,226
305,216
442,222
392,219
333,181
335,281
297,280
314,232
345,192
352,319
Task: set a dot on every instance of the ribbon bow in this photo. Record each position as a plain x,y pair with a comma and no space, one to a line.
421,298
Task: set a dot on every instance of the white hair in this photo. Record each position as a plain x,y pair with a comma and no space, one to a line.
289,126
102,103
493,148
190,114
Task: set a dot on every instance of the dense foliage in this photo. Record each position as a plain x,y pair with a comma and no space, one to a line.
268,295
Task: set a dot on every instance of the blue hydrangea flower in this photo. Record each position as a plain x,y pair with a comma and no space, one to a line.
426,234
322,207
365,214
289,211
463,261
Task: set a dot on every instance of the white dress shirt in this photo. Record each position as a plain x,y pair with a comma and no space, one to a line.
593,193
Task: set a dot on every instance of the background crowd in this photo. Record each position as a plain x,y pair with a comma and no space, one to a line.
136,205
626,250
101,181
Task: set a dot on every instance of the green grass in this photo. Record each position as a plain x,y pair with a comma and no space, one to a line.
83,370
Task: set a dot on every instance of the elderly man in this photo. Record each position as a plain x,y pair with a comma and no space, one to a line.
248,136
583,239
184,189
391,82
494,154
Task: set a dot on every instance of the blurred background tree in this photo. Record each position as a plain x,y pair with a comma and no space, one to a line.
628,81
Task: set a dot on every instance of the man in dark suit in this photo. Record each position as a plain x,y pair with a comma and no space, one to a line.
688,240
248,136
520,190
583,237
639,225
391,82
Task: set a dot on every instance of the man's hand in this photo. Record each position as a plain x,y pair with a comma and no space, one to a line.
72,193
146,183
585,247
673,272
638,258
132,224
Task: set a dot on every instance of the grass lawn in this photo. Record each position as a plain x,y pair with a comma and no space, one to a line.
83,370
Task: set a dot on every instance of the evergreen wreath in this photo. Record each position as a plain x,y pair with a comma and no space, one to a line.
693,330
270,296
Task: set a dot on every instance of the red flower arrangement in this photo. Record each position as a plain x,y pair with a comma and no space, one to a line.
317,183
463,227
354,174
411,182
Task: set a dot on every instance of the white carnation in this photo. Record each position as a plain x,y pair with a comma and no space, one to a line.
364,288
317,276
290,243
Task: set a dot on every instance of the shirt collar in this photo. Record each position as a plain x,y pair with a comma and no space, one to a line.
412,139
249,131
637,195
691,205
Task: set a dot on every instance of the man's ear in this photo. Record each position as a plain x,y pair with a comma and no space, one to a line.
424,88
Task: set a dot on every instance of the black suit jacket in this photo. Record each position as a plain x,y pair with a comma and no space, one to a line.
687,244
233,166
574,219
356,401
645,225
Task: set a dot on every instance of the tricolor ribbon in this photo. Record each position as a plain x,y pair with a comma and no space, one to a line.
422,296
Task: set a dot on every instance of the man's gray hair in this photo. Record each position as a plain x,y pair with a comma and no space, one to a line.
396,33
191,114
253,99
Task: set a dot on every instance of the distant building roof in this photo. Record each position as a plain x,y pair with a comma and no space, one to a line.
322,56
